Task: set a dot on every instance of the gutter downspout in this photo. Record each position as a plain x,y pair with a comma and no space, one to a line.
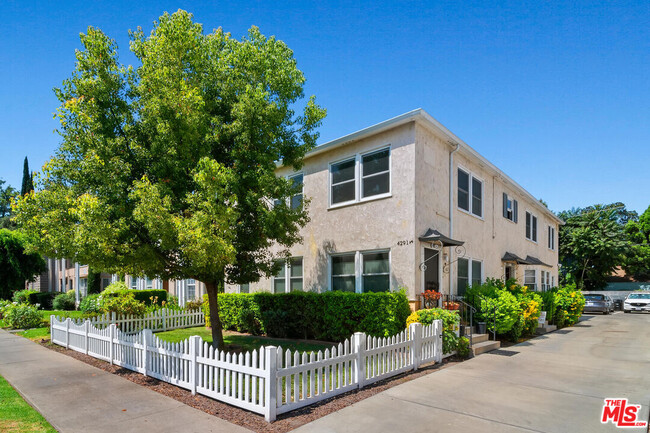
451,212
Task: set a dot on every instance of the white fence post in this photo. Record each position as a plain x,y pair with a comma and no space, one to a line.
67,333
415,335
86,331
195,343
359,347
111,336
146,339
52,328
438,345
164,319
271,379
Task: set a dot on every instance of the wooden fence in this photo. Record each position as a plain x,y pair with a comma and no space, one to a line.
268,381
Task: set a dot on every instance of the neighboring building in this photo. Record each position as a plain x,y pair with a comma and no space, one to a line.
386,212
63,275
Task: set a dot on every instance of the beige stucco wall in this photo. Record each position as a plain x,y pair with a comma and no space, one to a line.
419,200
370,225
488,238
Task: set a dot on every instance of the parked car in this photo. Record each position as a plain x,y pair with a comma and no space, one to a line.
637,301
597,303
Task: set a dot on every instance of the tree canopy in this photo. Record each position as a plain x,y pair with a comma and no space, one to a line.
167,168
6,194
16,266
28,179
592,243
637,261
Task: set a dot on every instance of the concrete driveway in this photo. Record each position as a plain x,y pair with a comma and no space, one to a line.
553,383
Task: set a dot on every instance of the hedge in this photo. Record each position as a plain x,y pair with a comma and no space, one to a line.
330,316
119,288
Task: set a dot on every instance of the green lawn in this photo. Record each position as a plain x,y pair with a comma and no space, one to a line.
18,416
238,342
45,314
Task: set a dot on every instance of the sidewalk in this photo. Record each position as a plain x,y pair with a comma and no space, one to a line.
554,383
76,397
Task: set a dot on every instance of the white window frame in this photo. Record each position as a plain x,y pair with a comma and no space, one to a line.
358,177
534,271
302,191
551,237
472,176
287,275
534,231
470,271
513,208
358,268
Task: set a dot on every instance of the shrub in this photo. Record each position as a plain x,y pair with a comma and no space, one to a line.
450,321
22,316
22,296
569,305
463,347
548,304
43,299
194,304
332,316
64,302
496,303
530,304
124,304
90,304
148,297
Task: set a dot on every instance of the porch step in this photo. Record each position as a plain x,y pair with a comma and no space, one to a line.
543,329
485,346
479,338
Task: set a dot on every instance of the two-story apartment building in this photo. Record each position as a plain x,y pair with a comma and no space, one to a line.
401,204
407,204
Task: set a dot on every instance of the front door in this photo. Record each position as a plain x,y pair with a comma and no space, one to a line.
432,273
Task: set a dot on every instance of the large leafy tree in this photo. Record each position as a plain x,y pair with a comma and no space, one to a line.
168,168
6,194
592,243
637,261
16,265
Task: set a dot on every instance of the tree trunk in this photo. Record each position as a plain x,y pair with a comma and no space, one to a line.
213,292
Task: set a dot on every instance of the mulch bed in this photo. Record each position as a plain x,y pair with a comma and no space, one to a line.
284,423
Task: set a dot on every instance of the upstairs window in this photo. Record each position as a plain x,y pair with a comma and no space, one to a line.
360,178
343,181
551,238
375,176
531,227
294,201
470,193
510,208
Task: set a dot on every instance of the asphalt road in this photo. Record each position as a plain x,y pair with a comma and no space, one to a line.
553,383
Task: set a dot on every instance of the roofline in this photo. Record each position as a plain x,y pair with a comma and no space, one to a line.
421,116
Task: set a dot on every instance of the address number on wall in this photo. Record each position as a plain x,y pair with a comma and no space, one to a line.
404,242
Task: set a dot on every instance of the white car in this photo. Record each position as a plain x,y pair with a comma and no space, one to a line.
637,301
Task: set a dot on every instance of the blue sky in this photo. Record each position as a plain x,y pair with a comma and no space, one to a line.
556,94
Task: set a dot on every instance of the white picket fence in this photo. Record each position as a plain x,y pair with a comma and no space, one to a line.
268,381
160,320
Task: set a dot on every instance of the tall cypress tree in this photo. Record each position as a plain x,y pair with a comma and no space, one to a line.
28,181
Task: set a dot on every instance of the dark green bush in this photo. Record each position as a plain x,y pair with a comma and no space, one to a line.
331,316
63,301
43,299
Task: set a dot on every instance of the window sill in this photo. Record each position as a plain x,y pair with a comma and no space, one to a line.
470,214
356,202
530,240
